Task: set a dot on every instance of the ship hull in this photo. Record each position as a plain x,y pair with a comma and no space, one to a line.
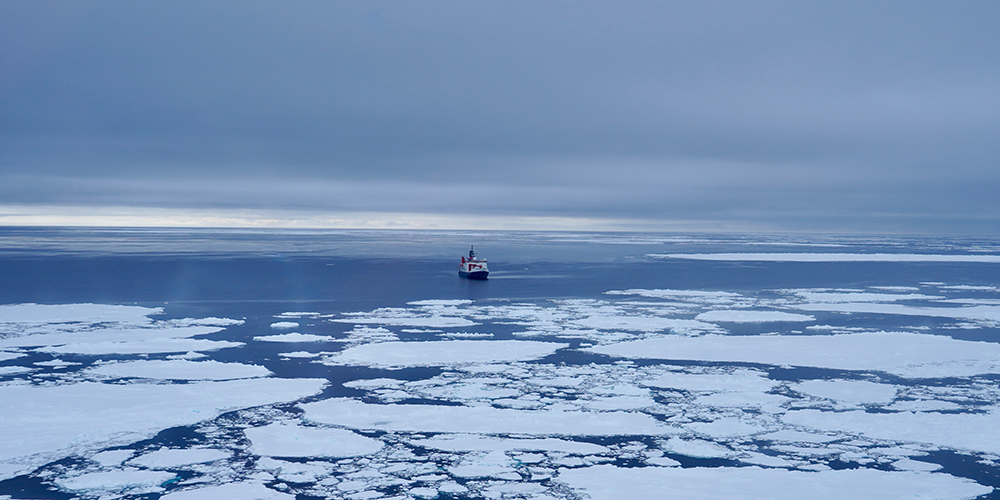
474,275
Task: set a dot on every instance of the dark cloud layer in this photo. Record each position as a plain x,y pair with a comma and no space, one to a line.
859,116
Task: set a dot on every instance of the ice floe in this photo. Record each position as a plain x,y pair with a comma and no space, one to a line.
29,314
848,391
288,439
43,423
243,491
980,312
424,322
162,345
114,457
128,481
296,337
5,356
212,321
14,370
644,324
741,316
900,353
440,302
179,370
166,458
477,419
835,297
299,314
284,325
476,442
726,483
445,352
93,329
949,430
299,354
56,363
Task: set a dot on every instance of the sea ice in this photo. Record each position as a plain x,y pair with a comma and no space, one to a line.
179,370
132,481
440,302
212,321
299,314
162,345
728,483
948,430
296,472
915,465
838,297
114,457
58,335
27,314
904,354
697,448
406,317
296,337
166,458
4,355
979,312
44,423
475,442
55,363
299,354
645,324
697,296
287,439
741,380
740,316
241,491
975,288
479,419
793,436
284,325
849,391
14,370
401,354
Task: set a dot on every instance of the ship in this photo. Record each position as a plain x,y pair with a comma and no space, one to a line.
473,268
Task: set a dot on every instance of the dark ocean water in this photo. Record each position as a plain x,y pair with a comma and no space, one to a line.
260,276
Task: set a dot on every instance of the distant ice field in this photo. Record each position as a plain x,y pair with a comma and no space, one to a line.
358,365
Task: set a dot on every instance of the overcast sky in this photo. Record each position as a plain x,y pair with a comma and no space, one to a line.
827,116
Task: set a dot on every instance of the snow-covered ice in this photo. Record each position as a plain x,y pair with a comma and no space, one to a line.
948,430
242,491
740,316
727,483
900,353
446,352
166,458
29,314
296,337
129,481
41,424
179,370
289,439
477,419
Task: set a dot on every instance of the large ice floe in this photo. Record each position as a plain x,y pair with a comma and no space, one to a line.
46,418
638,393
446,352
